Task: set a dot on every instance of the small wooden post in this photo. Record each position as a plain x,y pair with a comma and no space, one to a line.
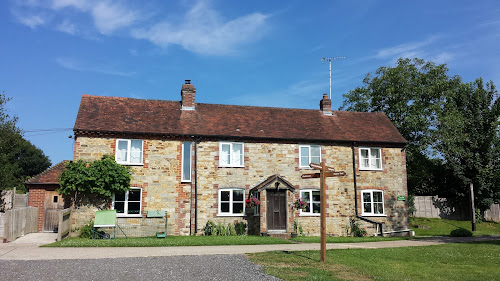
323,212
473,210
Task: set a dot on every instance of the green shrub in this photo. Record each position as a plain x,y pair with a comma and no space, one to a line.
86,230
221,229
355,230
210,229
460,232
240,228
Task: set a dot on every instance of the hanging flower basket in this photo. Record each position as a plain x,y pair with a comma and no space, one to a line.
300,205
252,202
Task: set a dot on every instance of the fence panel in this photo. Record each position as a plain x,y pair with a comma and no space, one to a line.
493,213
19,222
435,207
64,224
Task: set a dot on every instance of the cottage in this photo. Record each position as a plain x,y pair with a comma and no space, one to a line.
198,162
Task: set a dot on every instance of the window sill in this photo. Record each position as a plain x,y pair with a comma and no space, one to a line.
310,215
364,169
231,215
130,164
128,216
231,166
373,215
185,181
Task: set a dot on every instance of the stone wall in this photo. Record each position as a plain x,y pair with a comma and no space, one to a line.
162,188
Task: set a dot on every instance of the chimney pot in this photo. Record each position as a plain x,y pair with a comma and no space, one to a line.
326,105
188,92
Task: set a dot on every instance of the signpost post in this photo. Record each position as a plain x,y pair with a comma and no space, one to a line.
324,172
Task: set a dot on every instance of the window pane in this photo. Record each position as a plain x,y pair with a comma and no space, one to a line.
378,208
316,196
304,156
136,151
120,207
377,196
224,207
367,208
224,195
186,161
375,153
316,208
121,155
238,195
367,197
120,197
237,154
134,208
316,154
237,208
134,195
225,154
304,196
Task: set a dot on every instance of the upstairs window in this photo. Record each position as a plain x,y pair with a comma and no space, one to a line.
186,161
313,200
372,202
128,204
370,159
231,202
129,152
309,154
231,154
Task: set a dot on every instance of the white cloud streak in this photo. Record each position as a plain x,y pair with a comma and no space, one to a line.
76,65
203,31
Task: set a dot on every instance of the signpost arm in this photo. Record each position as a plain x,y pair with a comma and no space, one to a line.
323,212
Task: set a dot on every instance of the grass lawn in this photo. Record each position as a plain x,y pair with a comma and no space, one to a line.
168,241
442,227
348,239
458,261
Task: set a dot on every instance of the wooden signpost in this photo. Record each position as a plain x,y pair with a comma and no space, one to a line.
324,172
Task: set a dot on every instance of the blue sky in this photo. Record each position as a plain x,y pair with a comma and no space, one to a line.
264,53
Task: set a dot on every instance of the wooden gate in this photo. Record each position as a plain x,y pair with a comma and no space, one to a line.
276,209
53,204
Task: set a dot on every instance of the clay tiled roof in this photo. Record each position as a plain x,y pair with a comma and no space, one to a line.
48,176
158,117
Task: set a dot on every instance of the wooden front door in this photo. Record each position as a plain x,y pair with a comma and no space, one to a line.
52,205
276,209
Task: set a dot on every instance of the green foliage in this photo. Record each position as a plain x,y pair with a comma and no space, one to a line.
297,227
221,229
86,230
469,139
354,229
19,158
100,178
460,232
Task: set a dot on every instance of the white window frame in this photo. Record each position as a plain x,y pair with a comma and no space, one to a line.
129,144
371,213
231,202
310,213
190,161
242,165
362,165
310,156
125,205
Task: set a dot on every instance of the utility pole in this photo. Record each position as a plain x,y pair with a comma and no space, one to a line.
330,67
473,210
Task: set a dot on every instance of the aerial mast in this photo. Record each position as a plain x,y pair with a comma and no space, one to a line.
330,66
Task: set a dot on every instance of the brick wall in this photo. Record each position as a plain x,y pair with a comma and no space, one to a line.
36,199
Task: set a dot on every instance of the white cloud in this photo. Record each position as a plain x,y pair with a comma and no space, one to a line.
67,27
111,16
76,65
32,21
203,31
405,50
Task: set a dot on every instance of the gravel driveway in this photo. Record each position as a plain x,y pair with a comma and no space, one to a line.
214,267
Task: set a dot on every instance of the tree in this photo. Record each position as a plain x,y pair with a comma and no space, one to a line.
411,95
19,158
99,179
468,134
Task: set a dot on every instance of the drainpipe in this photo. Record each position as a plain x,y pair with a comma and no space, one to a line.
196,185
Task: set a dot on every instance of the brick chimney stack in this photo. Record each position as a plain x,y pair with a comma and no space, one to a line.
326,105
187,93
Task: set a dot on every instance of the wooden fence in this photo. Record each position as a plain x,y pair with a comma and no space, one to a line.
19,222
435,207
64,224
